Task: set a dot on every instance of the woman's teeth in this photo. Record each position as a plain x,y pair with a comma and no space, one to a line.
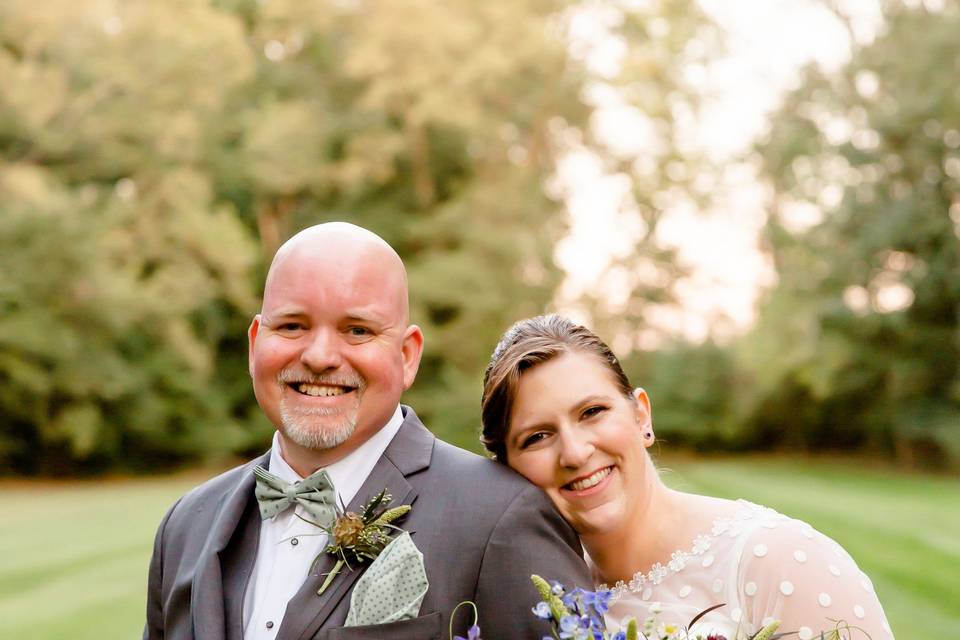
592,480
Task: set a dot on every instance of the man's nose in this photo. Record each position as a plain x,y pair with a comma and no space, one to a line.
576,447
322,351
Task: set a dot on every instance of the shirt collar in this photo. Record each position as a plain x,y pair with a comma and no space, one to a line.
349,473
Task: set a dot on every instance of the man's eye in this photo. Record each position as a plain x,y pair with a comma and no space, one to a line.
358,331
290,326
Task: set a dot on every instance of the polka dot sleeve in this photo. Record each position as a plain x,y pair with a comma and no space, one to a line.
793,573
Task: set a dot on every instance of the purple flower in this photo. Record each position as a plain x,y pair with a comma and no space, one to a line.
473,633
601,601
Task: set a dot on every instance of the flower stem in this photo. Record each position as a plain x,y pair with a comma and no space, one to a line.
330,576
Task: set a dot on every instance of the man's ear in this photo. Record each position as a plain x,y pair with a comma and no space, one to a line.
251,339
411,351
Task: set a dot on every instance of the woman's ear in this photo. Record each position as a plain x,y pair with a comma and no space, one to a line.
644,416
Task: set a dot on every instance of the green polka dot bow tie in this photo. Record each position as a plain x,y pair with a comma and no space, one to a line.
315,494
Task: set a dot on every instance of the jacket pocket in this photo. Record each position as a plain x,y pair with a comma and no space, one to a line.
423,628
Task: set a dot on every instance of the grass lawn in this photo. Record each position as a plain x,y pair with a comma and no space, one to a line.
903,530
73,557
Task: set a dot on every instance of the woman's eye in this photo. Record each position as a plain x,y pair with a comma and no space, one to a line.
532,439
589,412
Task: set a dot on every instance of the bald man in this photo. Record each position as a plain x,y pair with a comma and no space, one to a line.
331,352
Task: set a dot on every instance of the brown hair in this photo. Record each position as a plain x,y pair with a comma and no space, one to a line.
524,345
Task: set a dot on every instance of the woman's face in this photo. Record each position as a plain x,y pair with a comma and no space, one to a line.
573,433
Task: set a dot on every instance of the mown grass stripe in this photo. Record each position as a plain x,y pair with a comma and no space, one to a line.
73,557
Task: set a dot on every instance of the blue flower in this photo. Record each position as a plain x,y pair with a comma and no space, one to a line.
542,611
570,627
569,623
574,600
601,601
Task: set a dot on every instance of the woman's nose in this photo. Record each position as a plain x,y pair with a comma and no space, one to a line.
575,449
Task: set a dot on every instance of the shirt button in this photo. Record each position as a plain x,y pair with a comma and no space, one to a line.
294,542
269,624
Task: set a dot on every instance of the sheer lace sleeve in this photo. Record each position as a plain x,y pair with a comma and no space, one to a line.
793,573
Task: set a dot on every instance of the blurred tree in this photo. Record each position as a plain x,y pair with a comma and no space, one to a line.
654,98
439,125
143,146
123,282
859,344
693,390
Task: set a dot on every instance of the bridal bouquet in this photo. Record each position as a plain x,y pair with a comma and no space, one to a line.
578,615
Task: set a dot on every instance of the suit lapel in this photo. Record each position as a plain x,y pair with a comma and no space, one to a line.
236,562
408,452
207,599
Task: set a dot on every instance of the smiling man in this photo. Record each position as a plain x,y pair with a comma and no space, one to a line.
331,353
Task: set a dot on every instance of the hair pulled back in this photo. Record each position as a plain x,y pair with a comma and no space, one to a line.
524,345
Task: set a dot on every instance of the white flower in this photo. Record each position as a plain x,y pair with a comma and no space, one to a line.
678,561
720,526
616,590
701,543
656,608
657,573
668,631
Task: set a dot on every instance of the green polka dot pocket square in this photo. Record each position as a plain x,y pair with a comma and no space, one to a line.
392,588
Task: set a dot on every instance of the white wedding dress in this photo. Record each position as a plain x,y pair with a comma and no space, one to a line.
764,566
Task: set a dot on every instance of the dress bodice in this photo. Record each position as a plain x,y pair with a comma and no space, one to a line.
763,566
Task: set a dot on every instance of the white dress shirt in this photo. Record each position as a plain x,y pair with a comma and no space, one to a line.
288,545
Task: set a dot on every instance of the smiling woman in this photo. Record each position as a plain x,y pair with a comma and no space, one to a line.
558,408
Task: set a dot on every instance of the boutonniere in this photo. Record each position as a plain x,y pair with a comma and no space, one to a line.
355,539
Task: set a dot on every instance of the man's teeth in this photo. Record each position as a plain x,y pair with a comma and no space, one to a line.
320,390
590,481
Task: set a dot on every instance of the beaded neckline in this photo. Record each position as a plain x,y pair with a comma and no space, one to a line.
730,525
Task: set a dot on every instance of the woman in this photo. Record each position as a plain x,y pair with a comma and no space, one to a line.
558,408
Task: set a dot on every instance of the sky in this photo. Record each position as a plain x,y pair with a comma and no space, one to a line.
768,42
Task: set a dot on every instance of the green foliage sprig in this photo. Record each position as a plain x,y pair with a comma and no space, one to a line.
359,538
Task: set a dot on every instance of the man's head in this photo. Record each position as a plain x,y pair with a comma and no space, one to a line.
331,350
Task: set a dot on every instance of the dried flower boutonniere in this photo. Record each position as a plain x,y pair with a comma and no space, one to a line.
360,538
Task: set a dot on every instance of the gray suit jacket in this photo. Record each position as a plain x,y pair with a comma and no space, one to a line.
482,530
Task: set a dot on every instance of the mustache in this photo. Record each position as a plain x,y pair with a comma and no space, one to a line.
291,376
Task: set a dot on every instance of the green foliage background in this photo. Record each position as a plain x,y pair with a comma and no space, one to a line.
857,347
153,155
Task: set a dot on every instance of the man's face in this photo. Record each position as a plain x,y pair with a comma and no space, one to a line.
331,353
